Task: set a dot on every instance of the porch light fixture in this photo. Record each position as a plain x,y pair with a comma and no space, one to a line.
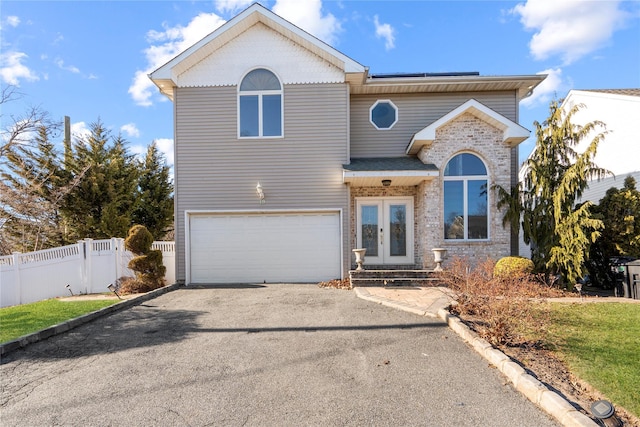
112,288
386,182
260,193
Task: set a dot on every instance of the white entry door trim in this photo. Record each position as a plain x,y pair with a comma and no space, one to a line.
385,225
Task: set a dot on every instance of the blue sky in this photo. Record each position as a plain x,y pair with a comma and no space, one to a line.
89,59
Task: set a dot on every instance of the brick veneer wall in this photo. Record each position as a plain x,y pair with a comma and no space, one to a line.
469,134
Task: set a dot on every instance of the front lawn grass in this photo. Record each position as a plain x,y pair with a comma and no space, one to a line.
600,342
25,319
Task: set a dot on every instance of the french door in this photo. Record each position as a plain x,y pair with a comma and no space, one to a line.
385,229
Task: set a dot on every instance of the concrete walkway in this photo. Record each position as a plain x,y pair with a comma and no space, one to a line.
423,301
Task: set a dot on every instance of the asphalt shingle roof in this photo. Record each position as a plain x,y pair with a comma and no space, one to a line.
388,164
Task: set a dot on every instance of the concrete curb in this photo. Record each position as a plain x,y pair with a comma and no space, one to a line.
549,401
24,341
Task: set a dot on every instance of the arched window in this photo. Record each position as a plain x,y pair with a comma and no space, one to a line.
260,105
465,198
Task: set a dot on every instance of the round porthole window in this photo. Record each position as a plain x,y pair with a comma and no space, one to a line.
383,114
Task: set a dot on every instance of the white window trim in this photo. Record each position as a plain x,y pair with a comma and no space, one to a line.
465,181
380,101
260,94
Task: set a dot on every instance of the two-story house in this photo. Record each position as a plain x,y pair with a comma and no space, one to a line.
289,154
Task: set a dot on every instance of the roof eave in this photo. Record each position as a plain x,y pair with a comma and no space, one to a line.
523,84
258,13
397,177
513,133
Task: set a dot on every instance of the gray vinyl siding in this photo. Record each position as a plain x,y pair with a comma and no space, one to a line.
415,112
218,171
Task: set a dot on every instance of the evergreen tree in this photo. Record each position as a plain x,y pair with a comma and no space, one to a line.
155,203
556,176
96,189
32,186
101,205
619,209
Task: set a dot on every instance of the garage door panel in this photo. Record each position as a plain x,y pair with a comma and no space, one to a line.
287,247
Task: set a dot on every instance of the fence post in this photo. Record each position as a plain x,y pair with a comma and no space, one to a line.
88,258
117,248
83,262
16,275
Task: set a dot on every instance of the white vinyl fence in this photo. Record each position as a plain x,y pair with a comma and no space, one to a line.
86,267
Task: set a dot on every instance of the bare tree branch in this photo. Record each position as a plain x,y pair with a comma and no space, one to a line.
19,129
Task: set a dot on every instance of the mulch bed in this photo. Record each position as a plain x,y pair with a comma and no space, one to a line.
344,284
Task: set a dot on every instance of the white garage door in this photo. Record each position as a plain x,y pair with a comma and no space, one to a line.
278,247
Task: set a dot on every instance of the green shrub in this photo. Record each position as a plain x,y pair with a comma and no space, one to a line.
139,240
512,267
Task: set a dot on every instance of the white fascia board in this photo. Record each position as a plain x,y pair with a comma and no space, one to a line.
388,174
513,133
580,95
268,18
524,84
349,65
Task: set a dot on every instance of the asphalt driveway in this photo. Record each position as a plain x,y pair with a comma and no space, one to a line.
258,355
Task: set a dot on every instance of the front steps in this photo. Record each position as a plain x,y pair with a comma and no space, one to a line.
393,278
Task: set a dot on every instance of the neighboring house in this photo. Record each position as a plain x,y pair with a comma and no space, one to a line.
619,151
598,189
619,110
289,154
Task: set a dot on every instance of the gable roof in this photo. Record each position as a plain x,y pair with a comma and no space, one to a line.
513,133
165,76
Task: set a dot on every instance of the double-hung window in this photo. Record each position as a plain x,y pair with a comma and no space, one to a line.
260,105
465,198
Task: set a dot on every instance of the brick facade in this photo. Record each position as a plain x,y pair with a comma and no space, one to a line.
468,134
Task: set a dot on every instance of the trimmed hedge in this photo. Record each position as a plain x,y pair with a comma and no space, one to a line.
512,266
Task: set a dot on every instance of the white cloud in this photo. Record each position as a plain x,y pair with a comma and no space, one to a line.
164,46
21,132
225,6
569,29
60,63
130,130
546,90
80,130
139,151
386,32
307,14
12,21
57,40
12,69
165,145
